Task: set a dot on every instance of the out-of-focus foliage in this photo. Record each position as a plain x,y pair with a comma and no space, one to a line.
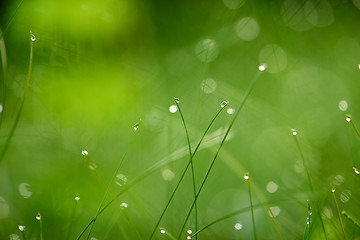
101,66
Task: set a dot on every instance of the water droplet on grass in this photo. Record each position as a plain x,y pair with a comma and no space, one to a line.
356,170
77,198
38,217
189,231
173,108
121,179
162,231
246,176
22,228
333,189
32,36
177,100
224,103
294,132
238,226
136,126
262,67
84,153
188,237
124,205
348,118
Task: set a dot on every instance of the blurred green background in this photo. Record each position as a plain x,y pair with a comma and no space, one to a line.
101,66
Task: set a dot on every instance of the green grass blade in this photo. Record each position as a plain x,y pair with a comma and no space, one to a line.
338,210
72,217
191,160
11,19
111,181
294,133
17,118
247,178
184,172
242,103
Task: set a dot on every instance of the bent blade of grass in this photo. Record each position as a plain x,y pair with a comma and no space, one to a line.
183,174
242,103
17,118
294,133
351,219
191,160
111,181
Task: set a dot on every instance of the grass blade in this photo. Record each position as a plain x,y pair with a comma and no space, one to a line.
338,210
247,178
184,172
92,222
191,159
242,103
17,118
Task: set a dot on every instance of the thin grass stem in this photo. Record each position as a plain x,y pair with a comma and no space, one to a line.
183,174
247,178
72,217
338,210
191,161
351,219
11,19
242,103
17,118
111,181
295,133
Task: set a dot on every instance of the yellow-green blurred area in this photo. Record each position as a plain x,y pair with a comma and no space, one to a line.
99,67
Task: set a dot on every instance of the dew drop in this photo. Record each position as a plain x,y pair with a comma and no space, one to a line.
224,103
262,67
333,189
188,237
1,108
294,132
38,217
123,205
356,170
32,36
162,231
177,100
136,126
307,220
238,226
84,153
348,118
173,109
359,66
121,179
77,198
246,176
189,231
22,228
309,208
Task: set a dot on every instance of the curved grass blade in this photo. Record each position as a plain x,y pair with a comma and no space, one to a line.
109,185
17,118
191,159
184,172
242,103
